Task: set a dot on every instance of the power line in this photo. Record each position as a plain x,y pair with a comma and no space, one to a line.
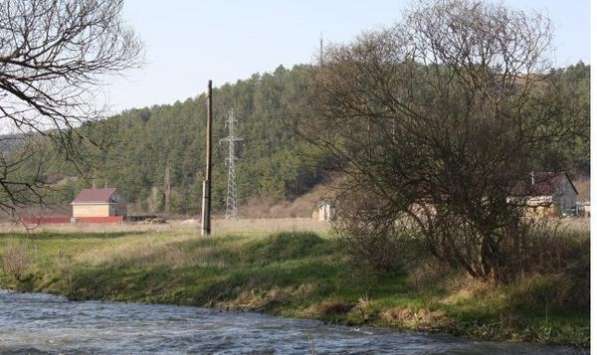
231,195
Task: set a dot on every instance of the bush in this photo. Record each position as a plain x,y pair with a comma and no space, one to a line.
380,243
548,293
563,253
380,251
16,259
552,248
428,272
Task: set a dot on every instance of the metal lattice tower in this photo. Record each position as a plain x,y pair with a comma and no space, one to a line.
231,195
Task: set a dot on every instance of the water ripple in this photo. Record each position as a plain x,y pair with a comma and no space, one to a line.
47,324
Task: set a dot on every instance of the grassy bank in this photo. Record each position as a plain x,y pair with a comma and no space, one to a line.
295,274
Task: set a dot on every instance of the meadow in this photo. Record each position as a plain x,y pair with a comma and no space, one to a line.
287,267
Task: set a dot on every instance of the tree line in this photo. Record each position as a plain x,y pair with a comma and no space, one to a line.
149,151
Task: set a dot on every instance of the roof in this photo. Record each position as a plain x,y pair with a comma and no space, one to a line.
325,201
544,184
95,195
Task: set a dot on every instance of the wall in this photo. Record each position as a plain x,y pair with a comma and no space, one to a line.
566,196
110,219
91,210
50,219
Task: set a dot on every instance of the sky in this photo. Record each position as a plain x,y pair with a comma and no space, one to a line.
188,42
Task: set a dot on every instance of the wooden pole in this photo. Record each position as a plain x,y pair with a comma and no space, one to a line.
206,203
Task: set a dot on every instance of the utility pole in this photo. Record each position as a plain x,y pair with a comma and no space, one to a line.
231,195
167,188
321,49
206,203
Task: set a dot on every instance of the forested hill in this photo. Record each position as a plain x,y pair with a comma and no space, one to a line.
146,150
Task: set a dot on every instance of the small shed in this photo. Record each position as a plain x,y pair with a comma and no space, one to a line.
325,211
99,205
547,194
584,208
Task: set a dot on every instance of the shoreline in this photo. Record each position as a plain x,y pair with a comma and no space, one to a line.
298,275
371,326
367,327
185,323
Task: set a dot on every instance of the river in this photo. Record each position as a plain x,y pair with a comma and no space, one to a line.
33,323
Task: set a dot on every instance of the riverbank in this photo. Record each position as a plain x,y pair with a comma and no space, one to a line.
293,274
38,323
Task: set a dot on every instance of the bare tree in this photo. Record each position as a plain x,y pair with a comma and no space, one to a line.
438,118
53,55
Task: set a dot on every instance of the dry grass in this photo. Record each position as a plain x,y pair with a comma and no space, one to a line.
418,319
583,185
16,258
301,207
464,288
574,224
258,300
168,244
157,248
89,228
273,225
191,226
328,308
142,245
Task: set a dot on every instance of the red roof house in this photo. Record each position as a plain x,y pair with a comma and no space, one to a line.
98,204
551,191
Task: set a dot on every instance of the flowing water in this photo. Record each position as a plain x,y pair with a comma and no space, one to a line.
41,323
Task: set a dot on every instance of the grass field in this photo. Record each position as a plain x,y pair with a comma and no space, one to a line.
256,266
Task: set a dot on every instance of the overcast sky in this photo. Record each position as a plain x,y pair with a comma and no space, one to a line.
188,42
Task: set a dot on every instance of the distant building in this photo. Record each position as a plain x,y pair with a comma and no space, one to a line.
584,209
99,205
547,194
325,211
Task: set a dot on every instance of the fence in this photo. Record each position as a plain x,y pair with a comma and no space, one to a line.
57,219
37,220
110,219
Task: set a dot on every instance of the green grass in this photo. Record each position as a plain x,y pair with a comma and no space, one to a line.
295,274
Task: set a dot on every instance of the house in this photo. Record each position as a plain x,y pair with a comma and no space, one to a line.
547,194
325,211
98,205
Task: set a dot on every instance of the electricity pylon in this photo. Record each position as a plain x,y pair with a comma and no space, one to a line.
231,195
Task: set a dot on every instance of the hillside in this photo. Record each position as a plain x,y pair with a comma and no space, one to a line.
143,151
